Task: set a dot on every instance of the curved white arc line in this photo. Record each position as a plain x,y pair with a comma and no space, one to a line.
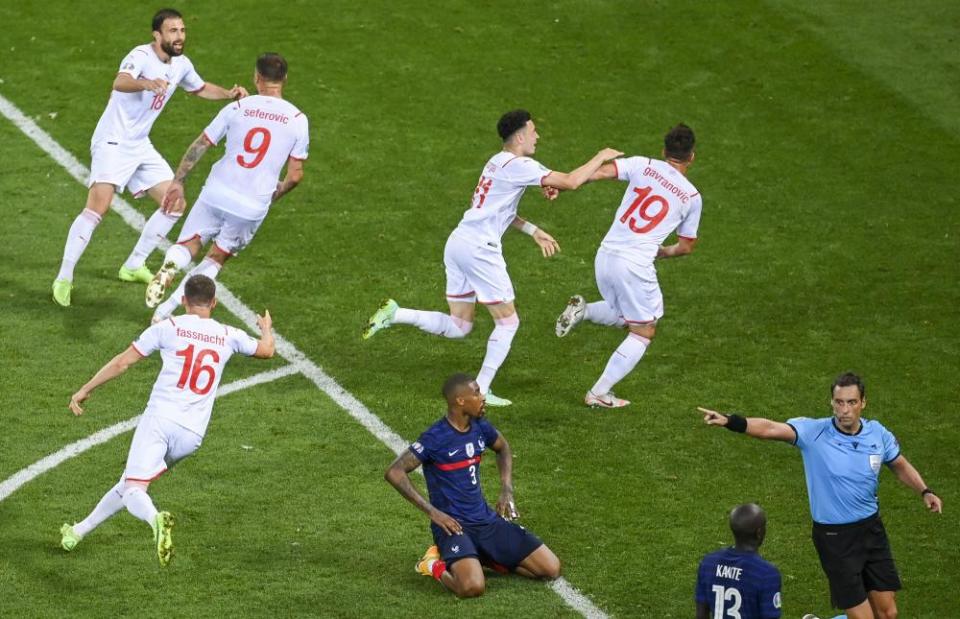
23,476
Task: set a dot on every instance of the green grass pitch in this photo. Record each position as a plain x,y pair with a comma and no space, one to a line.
829,139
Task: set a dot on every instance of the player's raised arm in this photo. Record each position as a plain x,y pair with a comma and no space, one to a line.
505,504
290,180
124,82
398,474
266,346
757,427
607,172
115,367
573,180
216,93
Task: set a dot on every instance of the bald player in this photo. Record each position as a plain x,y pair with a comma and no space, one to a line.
737,582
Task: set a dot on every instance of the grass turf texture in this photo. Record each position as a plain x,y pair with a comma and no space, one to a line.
829,241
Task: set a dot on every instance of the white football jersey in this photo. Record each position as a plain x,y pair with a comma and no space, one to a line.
658,200
494,205
262,133
194,351
130,115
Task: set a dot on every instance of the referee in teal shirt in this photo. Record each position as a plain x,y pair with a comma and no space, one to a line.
842,457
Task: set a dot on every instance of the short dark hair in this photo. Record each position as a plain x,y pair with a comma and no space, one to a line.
679,142
455,384
847,379
162,16
272,67
511,122
199,290
748,523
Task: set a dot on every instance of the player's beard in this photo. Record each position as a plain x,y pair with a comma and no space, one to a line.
170,50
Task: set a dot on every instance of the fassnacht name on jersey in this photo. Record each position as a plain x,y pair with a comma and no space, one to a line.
217,340
682,195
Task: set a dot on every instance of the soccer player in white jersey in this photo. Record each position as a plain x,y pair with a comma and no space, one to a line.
123,155
659,199
476,270
194,350
264,132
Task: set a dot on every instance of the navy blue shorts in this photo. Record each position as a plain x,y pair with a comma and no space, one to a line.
500,544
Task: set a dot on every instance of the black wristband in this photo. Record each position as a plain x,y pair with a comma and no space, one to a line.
927,491
736,423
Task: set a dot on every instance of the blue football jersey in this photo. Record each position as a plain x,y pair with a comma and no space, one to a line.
739,584
451,465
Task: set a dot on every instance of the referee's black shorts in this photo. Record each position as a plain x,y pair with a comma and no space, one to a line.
856,558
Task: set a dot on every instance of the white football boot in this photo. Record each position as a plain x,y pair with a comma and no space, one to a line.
571,316
607,400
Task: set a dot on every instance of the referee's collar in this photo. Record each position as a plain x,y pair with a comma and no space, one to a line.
840,430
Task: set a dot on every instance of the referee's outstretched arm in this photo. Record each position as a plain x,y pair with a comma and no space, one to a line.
757,427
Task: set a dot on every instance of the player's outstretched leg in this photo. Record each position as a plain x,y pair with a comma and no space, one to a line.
110,504
81,231
498,346
571,315
624,359
156,229
162,527
381,319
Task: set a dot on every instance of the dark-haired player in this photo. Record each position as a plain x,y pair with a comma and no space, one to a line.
194,350
473,256
659,199
842,458
264,132
122,153
467,533
737,582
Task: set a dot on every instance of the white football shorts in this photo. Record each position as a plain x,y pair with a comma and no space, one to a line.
138,167
629,288
158,444
476,273
229,232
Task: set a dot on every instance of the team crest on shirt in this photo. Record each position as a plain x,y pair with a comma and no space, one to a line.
481,444
875,462
470,450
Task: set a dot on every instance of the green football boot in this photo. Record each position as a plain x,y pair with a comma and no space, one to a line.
142,275
494,400
68,537
61,292
161,534
381,319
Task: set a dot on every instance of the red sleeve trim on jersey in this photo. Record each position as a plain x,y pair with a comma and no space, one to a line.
544,177
687,238
207,138
453,466
193,92
229,253
462,296
147,480
616,168
133,345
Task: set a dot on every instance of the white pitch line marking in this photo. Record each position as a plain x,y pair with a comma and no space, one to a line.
38,468
354,407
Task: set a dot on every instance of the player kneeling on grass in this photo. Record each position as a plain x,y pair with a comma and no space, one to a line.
194,350
468,534
264,132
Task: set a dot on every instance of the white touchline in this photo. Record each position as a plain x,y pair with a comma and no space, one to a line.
354,407
38,468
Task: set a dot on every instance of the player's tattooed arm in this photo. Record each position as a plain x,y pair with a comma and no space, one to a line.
505,504
398,474
191,157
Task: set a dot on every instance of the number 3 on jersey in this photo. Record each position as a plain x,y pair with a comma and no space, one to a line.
259,151
192,370
644,201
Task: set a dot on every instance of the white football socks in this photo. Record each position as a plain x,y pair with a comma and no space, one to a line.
153,232
179,255
498,346
77,238
207,266
436,323
621,363
110,504
139,503
602,313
